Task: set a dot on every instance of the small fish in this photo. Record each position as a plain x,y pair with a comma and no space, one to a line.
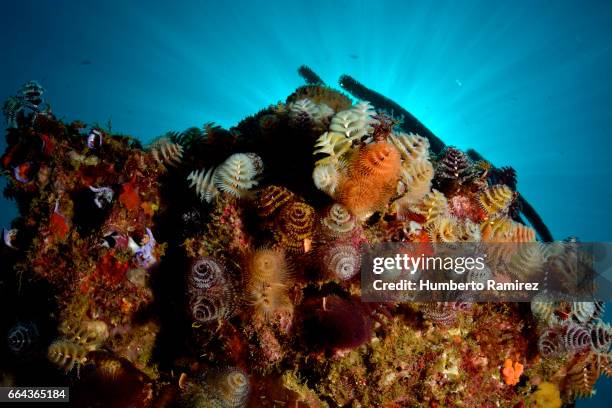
458,82
22,172
9,237
103,196
94,139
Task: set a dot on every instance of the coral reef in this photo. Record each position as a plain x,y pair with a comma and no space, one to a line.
409,123
219,268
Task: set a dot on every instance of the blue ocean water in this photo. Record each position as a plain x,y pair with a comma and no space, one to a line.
527,84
